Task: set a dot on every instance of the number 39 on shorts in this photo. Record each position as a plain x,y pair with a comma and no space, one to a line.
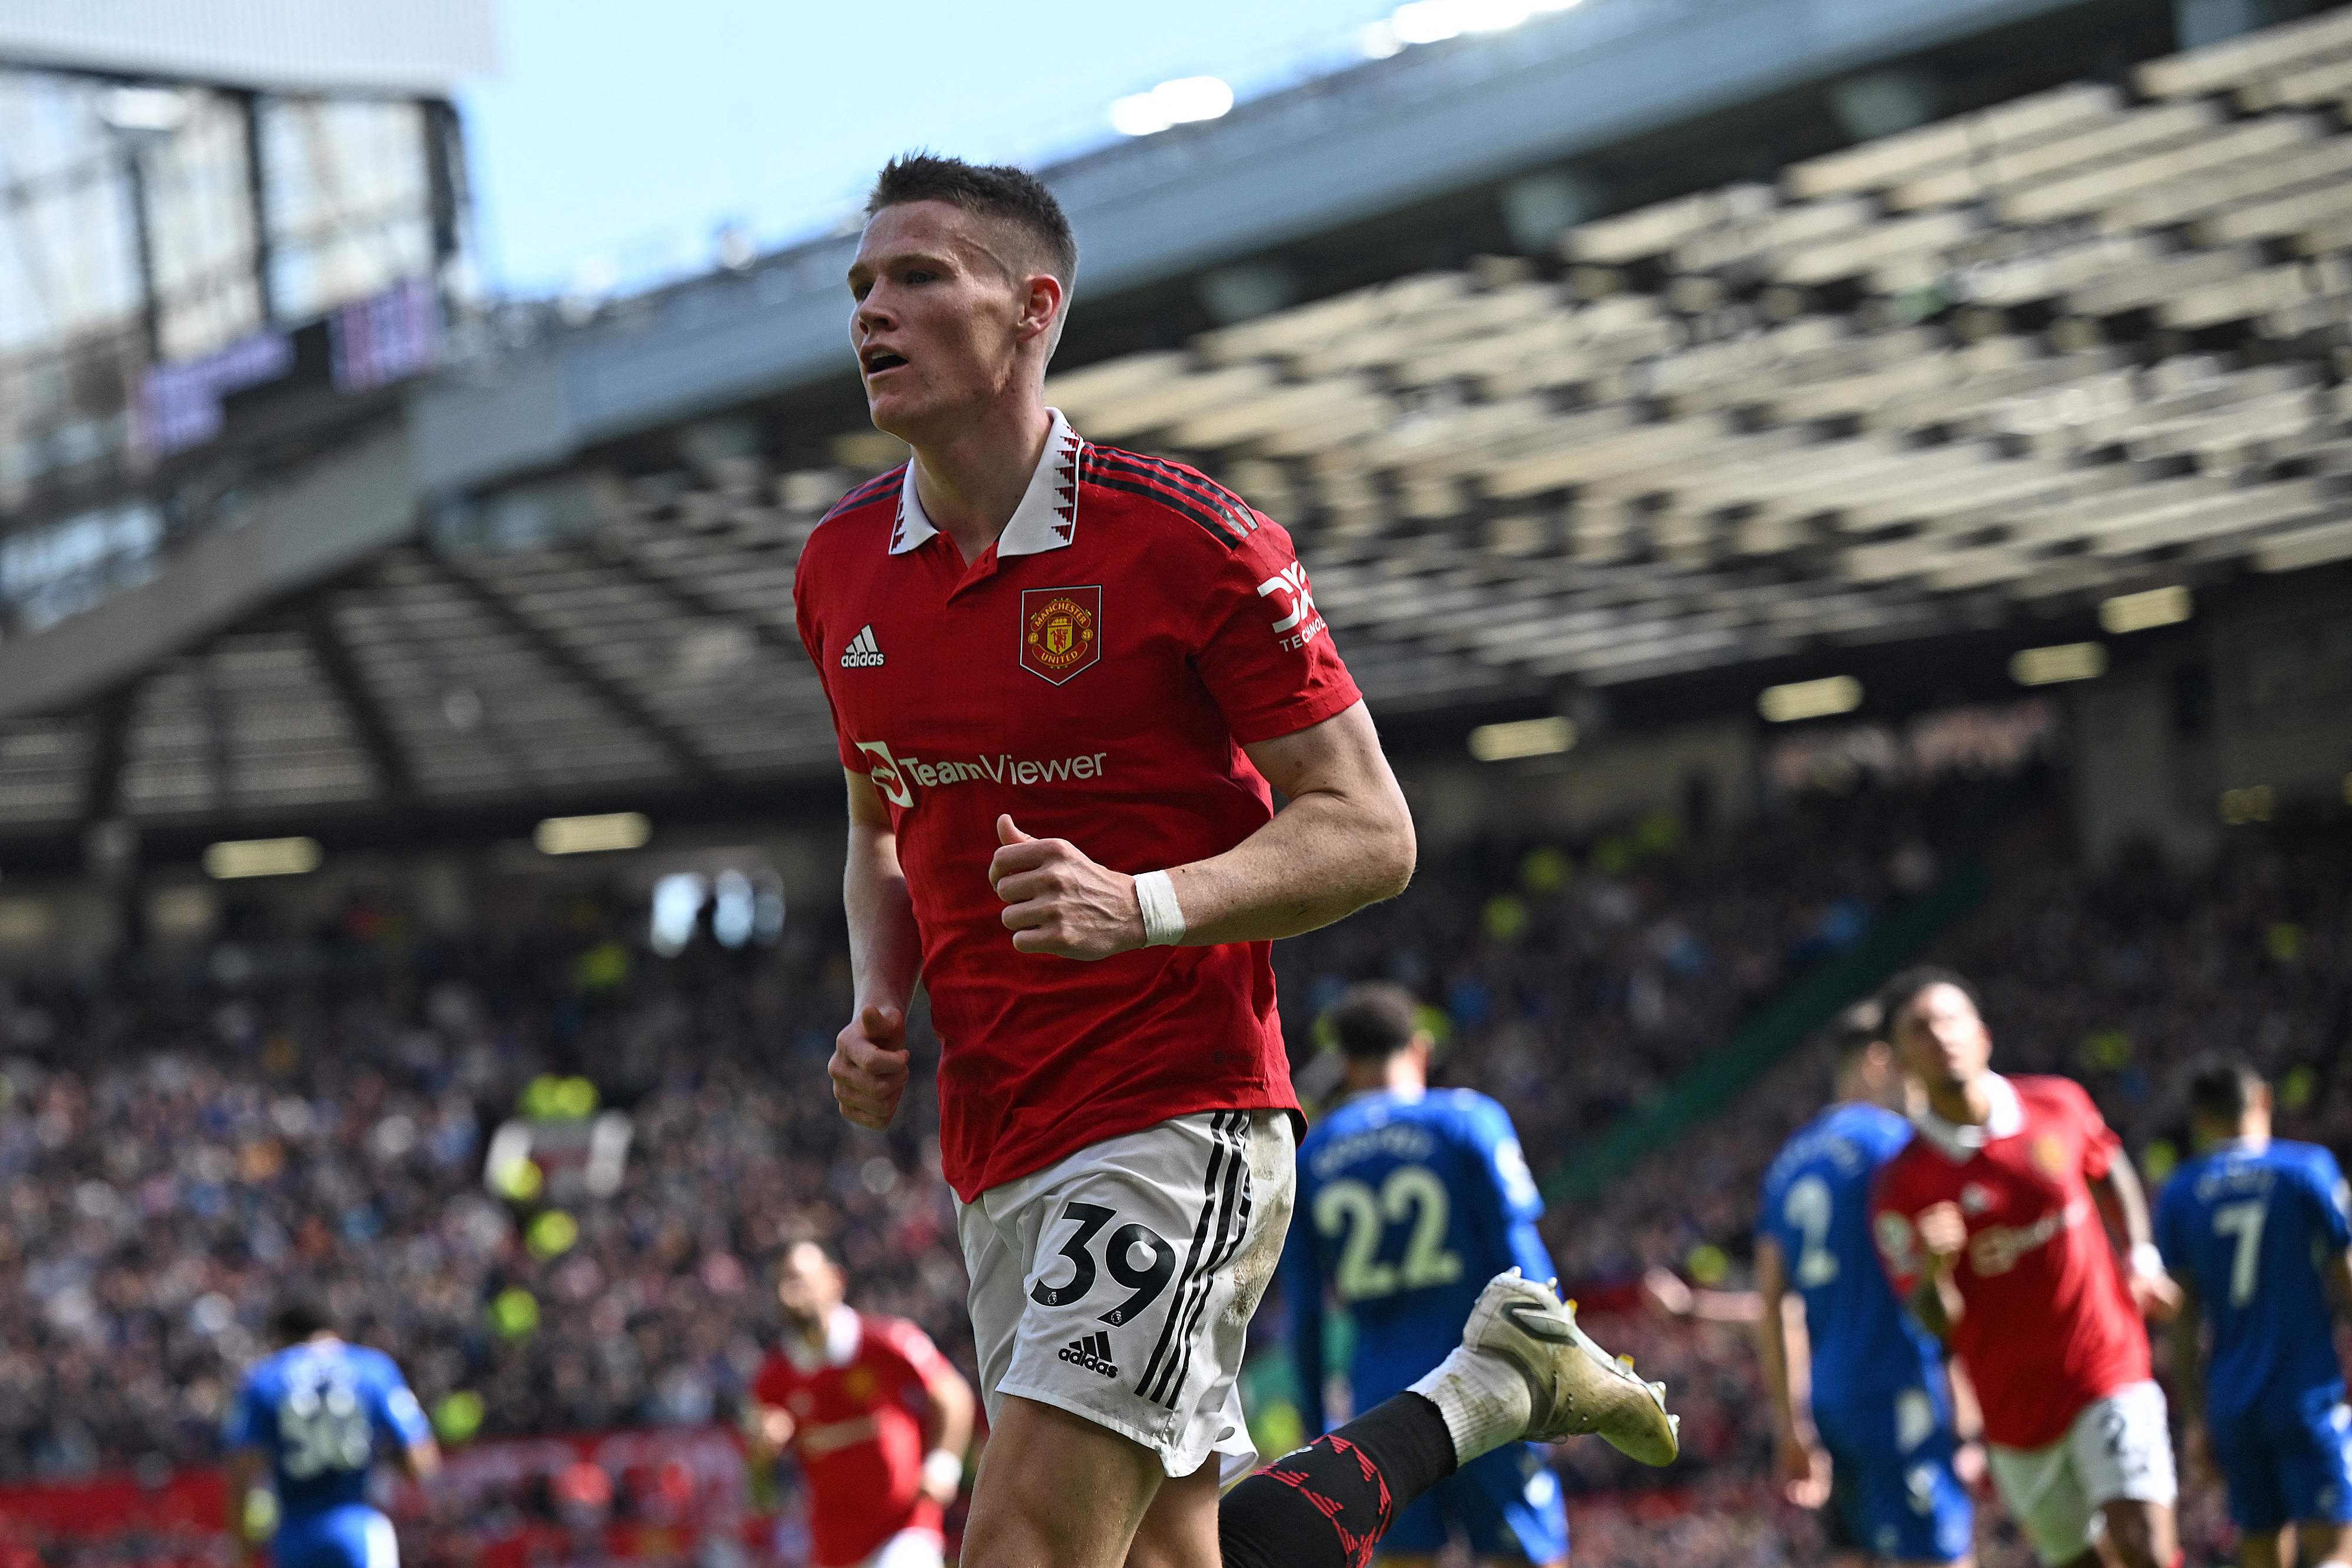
1145,1281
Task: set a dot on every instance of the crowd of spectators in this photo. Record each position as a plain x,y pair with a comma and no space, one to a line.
176,1151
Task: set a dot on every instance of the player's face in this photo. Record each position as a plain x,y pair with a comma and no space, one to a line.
808,1287
1942,1037
937,322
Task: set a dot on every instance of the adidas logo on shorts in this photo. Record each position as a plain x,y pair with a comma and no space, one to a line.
861,654
1093,1352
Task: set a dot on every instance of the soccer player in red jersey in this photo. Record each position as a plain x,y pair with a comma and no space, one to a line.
841,1394
1066,681
1990,1222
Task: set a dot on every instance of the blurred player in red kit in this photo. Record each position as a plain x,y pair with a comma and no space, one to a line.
877,1418
1990,1225
1067,682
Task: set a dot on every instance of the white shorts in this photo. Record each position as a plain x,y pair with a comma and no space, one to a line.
1118,1283
2118,1449
910,1549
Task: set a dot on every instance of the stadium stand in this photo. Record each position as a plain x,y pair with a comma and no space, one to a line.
1993,369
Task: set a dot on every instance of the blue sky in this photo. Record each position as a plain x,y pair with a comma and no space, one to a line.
617,137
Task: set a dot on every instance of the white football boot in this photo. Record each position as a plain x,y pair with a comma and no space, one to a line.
1576,1386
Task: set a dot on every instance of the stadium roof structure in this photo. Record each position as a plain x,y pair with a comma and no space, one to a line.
420,47
1963,383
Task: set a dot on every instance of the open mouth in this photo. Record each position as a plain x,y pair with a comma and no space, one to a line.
877,360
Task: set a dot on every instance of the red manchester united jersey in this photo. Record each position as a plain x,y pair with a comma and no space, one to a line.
856,1432
1095,674
2048,1325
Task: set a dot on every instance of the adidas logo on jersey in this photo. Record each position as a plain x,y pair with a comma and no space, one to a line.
861,654
1093,1352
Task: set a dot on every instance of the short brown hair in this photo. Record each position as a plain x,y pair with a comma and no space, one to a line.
1374,1020
992,190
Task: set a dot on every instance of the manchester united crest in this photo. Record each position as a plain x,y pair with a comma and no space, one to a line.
2050,1153
1061,631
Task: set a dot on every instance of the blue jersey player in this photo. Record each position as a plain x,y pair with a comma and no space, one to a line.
2255,1230
318,1415
1878,1423
1409,1200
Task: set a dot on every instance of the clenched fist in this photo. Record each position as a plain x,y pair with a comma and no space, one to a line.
2155,1296
1944,1235
869,1066
1057,901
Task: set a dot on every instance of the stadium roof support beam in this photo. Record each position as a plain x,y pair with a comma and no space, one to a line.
688,758
101,795
343,673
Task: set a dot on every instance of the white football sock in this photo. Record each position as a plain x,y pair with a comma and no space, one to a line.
1483,1397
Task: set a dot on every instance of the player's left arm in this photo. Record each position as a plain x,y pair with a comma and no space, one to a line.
948,1425
1501,1193
2117,1187
416,1450
1784,1349
947,1433
1669,1295
2331,1223
1343,840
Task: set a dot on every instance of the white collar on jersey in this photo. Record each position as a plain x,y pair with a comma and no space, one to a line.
842,1336
1960,1141
1046,518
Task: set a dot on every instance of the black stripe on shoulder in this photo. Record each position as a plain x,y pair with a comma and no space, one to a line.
1192,478
1219,502
1175,501
872,490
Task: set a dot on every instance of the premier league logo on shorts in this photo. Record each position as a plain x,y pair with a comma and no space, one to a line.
1061,631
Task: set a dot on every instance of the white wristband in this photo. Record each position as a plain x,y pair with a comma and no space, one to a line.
2147,1261
941,1469
1164,917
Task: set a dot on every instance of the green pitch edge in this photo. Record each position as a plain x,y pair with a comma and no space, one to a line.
1783,1026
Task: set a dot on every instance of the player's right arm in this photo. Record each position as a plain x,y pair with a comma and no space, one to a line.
767,1434
870,1067
1936,1300
2332,1200
1921,1252
1781,1346
415,1449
